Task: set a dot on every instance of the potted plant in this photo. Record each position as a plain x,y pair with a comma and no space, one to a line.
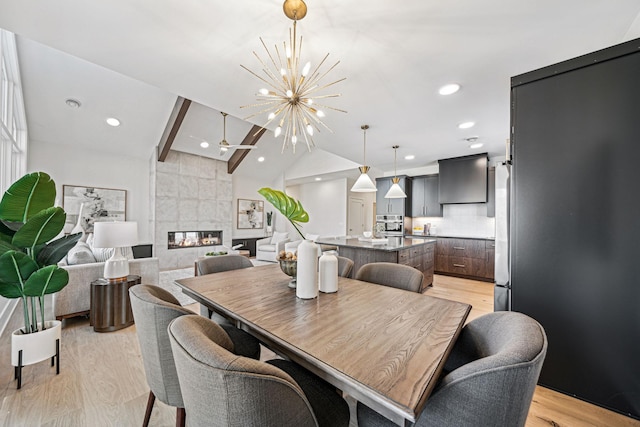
28,262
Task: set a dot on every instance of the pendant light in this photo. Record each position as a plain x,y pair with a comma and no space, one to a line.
395,192
364,184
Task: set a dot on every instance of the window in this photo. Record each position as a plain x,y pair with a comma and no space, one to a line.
13,123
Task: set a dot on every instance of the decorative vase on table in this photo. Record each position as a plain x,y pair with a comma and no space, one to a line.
328,273
290,268
307,277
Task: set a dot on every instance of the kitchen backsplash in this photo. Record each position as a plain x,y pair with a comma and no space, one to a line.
464,220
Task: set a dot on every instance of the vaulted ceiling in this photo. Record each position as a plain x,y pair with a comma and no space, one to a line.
131,59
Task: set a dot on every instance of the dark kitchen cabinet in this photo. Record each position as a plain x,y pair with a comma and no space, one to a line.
424,196
393,206
463,179
471,258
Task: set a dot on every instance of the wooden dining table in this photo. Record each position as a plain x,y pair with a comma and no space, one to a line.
385,347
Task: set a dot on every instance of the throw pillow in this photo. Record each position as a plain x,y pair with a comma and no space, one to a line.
80,254
278,237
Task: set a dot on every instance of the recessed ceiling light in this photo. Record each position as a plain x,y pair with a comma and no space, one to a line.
449,89
261,159
318,178
112,121
73,103
204,144
409,157
466,125
475,145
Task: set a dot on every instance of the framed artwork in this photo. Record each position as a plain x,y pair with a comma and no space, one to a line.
250,213
86,205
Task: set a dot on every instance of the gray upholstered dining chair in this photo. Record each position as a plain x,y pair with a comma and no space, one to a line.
391,274
345,265
222,389
153,309
489,378
216,264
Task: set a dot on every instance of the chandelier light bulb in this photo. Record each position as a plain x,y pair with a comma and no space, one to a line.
320,113
278,131
288,52
204,144
223,149
310,130
264,91
306,69
309,101
294,140
289,93
271,116
283,72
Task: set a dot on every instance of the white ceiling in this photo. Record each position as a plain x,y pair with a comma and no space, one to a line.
138,55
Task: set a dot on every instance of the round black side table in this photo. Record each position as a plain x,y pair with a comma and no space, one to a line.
110,304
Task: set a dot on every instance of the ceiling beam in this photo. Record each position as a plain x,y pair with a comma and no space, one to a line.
173,125
252,138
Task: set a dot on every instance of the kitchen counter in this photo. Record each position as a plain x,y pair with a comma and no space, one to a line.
393,243
416,252
450,236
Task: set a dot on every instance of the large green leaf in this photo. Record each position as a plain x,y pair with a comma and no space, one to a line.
47,280
10,290
54,251
6,233
41,228
15,267
288,206
4,247
28,196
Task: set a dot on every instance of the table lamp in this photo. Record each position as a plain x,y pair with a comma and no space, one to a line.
117,235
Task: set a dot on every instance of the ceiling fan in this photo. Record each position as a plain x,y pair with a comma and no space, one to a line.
224,145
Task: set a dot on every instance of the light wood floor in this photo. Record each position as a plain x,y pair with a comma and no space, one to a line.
102,383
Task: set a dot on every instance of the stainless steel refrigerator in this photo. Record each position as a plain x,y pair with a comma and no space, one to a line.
502,289
574,235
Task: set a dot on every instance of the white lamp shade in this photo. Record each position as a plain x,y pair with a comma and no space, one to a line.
117,234
364,184
395,192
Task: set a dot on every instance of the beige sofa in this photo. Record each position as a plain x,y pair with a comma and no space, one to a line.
75,298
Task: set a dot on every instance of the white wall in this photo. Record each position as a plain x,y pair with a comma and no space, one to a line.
73,165
326,203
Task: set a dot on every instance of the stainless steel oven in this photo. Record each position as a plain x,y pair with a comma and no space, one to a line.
390,225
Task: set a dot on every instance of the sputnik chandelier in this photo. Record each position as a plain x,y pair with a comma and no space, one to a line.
292,93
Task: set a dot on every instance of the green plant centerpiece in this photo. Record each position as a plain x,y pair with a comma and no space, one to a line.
291,209
28,255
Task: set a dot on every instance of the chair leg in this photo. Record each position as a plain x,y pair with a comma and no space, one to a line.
180,417
147,414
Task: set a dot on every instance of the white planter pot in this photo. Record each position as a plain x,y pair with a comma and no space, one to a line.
35,347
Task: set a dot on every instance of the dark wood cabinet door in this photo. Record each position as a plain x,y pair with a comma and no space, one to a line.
417,197
431,200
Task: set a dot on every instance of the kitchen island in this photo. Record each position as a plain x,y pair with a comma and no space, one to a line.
412,251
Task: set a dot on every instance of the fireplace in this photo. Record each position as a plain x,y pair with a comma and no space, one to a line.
194,239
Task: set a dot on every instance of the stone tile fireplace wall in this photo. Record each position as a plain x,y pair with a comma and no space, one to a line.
189,192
